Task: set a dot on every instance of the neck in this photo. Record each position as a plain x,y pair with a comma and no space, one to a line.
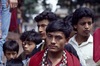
81,39
55,54
55,57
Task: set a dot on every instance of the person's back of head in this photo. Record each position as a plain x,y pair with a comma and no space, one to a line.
48,15
14,62
31,36
82,12
59,25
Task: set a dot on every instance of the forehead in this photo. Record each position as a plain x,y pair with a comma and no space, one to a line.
85,19
45,21
7,51
29,42
56,33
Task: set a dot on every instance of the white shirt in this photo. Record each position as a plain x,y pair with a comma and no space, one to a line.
84,51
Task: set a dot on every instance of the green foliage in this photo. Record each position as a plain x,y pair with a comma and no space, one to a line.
29,6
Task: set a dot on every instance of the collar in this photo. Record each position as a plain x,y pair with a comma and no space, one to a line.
89,40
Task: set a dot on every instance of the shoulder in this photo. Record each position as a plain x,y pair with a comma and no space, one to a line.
36,59
72,60
22,56
72,39
71,49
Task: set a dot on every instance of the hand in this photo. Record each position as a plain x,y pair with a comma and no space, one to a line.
13,3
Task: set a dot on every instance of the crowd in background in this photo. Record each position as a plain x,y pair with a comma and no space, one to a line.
59,41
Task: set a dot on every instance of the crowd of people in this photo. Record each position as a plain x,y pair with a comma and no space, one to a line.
59,41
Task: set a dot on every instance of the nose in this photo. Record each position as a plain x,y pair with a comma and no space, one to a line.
86,26
26,45
40,29
11,56
53,41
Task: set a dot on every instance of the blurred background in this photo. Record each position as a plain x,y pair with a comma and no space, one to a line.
30,8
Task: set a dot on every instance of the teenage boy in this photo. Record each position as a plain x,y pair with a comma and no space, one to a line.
29,41
82,41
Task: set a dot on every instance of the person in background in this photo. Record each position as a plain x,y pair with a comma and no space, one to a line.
7,5
29,41
43,19
82,41
57,33
10,49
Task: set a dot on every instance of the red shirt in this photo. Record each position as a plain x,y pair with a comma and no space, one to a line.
37,58
96,47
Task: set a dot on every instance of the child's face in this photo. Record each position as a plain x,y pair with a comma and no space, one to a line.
28,47
11,54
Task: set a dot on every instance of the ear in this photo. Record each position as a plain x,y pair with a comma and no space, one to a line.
75,27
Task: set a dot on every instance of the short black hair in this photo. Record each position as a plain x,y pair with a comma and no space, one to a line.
10,45
82,12
14,62
50,16
31,35
59,25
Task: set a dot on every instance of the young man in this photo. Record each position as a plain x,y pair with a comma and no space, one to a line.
82,41
29,41
43,19
55,55
10,49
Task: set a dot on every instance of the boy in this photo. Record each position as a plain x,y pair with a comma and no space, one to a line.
29,41
11,49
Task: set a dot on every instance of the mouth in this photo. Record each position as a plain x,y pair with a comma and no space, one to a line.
52,47
87,31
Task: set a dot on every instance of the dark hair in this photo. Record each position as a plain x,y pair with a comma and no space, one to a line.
68,19
31,35
50,16
14,62
10,45
82,12
59,25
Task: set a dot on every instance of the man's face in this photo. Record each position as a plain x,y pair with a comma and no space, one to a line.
28,47
11,54
84,26
42,28
55,41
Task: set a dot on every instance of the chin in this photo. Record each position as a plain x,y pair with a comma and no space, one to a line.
52,50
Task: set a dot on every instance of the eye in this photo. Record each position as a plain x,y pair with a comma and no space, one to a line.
89,23
43,25
49,36
83,23
13,53
58,37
